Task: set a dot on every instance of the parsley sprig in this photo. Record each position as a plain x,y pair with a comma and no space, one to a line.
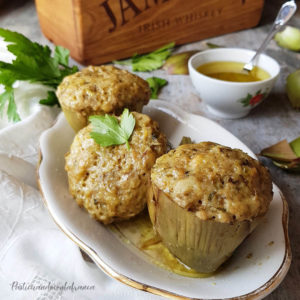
33,63
156,84
107,131
150,61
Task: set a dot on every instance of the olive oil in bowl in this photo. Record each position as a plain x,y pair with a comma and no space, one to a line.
232,71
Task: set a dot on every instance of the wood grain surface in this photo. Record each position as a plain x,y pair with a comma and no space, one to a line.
99,31
270,122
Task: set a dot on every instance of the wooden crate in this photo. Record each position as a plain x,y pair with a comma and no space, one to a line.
99,31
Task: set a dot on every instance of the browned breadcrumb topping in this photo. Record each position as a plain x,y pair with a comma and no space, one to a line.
112,183
103,89
214,182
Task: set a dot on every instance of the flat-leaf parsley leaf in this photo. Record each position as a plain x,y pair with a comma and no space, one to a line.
150,61
156,84
51,99
33,63
107,131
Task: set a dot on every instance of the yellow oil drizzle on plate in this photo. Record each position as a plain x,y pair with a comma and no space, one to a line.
139,232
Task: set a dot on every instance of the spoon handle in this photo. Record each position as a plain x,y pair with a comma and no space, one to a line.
286,11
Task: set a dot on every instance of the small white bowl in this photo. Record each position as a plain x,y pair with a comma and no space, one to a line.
226,99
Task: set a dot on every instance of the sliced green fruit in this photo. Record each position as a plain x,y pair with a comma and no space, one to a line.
295,145
293,88
289,38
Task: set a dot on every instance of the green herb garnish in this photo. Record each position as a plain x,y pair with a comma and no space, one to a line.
156,84
107,130
150,61
8,97
33,63
51,99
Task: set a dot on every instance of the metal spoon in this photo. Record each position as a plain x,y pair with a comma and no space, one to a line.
286,11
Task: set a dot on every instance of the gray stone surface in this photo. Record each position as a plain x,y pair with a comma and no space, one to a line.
269,123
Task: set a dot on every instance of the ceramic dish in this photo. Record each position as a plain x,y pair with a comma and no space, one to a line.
227,99
256,268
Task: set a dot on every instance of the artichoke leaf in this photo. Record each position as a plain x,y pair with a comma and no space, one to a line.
192,240
178,63
284,155
292,166
186,140
281,151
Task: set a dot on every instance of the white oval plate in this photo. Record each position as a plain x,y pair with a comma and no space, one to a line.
256,268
